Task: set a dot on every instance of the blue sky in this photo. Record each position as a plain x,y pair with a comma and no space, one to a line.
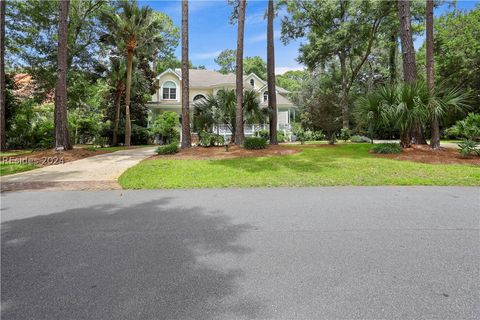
211,32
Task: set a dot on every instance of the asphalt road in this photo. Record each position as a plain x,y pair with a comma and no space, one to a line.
305,253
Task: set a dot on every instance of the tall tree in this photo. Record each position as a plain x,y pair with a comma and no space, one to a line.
435,137
336,30
226,61
408,57
186,137
129,30
239,134
3,91
117,81
272,96
62,141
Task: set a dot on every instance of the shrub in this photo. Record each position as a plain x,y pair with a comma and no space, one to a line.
467,147
468,128
168,149
207,139
345,134
387,148
166,125
253,143
140,135
265,134
359,139
281,136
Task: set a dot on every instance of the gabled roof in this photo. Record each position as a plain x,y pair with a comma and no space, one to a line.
171,71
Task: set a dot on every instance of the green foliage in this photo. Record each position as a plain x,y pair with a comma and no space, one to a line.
265,134
314,135
291,80
166,125
167,149
345,134
226,60
467,128
360,139
387,148
467,147
281,136
255,65
140,135
210,139
254,143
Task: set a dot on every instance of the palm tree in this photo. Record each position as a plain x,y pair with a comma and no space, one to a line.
62,141
221,109
117,81
130,29
272,97
435,136
3,92
186,137
239,135
409,62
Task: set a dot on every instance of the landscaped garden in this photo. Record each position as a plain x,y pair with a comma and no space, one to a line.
314,165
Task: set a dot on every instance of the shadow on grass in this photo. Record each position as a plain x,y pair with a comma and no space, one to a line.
311,159
111,262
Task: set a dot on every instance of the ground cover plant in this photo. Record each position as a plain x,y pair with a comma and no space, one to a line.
315,165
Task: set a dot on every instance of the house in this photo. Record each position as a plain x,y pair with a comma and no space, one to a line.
206,82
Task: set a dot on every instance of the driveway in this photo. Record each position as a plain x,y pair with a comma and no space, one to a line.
97,172
288,253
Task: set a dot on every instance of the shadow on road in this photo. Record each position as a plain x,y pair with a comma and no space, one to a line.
112,262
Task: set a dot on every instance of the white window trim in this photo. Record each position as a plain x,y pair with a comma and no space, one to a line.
176,91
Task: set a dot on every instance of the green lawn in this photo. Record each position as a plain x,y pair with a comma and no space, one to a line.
346,164
11,168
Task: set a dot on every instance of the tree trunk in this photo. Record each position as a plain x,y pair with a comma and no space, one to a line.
435,135
408,51
239,134
186,136
62,141
272,96
344,93
393,57
3,91
408,58
118,99
128,88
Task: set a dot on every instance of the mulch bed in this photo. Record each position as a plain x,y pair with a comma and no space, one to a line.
424,154
200,153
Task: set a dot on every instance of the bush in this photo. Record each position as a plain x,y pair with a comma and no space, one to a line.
360,139
468,128
253,143
166,125
207,139
265,134
387,148
467,147
168,149
281,136
140,135
345,134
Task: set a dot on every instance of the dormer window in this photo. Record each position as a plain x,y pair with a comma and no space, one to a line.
252,82
169,91
265,96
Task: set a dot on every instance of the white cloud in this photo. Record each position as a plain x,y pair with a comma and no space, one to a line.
282,70
205,55
255,18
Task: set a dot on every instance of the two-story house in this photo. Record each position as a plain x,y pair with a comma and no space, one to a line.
206,82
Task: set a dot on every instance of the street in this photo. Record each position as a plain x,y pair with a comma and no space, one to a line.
280,253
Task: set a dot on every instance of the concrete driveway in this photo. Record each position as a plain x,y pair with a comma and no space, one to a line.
302,253
97,172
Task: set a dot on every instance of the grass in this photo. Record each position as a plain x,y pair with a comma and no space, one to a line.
346,164
11,168
11,153
113,149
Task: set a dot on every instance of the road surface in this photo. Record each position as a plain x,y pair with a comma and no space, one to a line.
300,253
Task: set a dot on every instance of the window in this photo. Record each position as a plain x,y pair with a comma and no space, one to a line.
169,90
198,97
252,82
265,96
